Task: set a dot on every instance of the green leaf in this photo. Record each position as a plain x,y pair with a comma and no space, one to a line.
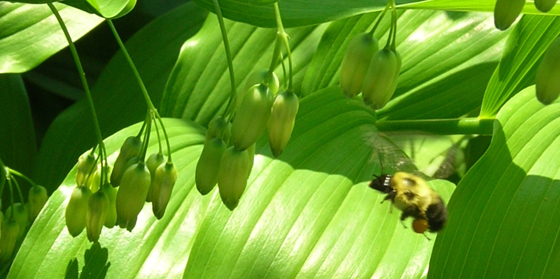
447,58
199,86
109,8
117,96
29,34
17,136
301,13
505,217
524,48
308,213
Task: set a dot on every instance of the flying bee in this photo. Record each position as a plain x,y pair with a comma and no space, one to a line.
408,192
412,195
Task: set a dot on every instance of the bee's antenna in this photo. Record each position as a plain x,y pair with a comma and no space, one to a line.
424,234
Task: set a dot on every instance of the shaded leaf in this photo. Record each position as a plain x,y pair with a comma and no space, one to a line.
17,136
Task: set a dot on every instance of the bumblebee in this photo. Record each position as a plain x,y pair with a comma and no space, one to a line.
412,195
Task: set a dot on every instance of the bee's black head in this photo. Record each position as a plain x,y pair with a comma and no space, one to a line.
382,183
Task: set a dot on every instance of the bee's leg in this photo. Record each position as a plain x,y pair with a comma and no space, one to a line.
408,212
424,234
388,197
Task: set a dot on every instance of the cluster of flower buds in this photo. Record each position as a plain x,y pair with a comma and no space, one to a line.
367,69
17,219
507,11
229,147
98,201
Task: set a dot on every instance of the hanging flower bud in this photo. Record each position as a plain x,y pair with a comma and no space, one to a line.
37,198
281,122
165,178
86,165
252,116
98,206
10,231
95,180
355,63
545,5
232,178
132,194
506,11
111,216
548,74
208,165
380,81
76,210
219,127
153,162
20,213
251,156
256,78
130,148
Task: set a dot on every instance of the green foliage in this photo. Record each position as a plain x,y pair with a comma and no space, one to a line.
309,212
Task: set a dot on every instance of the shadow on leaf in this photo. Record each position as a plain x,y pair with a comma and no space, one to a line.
96,264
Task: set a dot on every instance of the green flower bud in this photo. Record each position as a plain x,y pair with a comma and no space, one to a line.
111,216
545,5
86,164
380,82
76,210
20,213
548,74
232,178
98,206
95,180
130,148
355,63
153,162
132,194
252,117
218,128
10,231
251,156
208,165
281,122
256,78
165,178
37,198
506,11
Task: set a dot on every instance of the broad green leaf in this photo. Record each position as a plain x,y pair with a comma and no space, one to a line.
17,136
199,86
308,213
29,34
301,13
117,96
520,59
505,215
447,58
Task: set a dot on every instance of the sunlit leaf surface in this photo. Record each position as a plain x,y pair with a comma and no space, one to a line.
29,34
